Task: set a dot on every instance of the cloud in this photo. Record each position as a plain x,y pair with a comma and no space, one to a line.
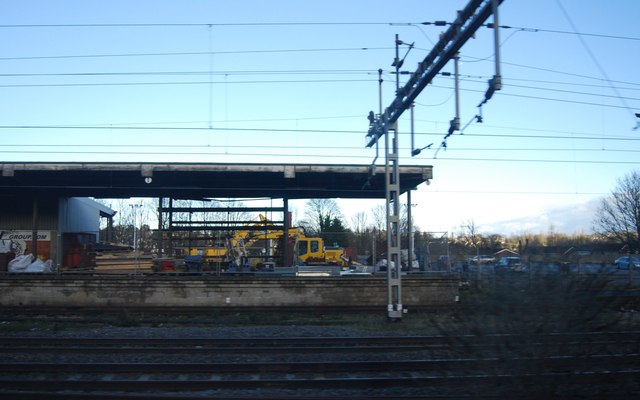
568,219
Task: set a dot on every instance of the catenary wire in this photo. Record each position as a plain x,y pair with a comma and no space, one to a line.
223,73
195,53
201,24
332,148
185,83
314,131
307,23
285,130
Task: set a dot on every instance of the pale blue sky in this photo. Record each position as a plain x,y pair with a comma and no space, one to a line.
293,81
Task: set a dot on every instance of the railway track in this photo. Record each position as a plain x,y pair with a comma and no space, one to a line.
575,342
588,365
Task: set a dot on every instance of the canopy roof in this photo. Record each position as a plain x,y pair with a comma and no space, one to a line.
204,180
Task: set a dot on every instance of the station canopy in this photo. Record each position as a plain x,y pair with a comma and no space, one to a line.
203,180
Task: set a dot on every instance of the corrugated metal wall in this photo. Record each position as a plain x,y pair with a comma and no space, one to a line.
16,213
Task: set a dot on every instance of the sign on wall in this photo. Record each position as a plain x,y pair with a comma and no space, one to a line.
19,242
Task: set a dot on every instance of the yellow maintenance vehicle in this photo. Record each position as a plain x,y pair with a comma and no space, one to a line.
260,249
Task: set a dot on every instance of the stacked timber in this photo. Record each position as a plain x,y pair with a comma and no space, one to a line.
123,262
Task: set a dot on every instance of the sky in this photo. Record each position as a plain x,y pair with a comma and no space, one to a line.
293,81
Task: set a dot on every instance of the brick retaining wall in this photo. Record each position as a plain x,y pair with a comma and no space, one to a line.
193,291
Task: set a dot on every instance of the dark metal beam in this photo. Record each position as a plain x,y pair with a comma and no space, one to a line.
222,209
211,226
464,27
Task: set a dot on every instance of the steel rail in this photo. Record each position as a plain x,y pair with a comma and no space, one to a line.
554,363
343,341
562,343
561,337
522,380
219,350
39,395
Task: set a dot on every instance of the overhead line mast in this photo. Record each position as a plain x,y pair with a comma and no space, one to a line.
472,17
469,20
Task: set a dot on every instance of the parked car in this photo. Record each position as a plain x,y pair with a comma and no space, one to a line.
623,262
509,264
482,260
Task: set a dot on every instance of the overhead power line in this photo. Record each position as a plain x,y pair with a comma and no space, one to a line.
193,53
153,147
200,24
306,23
185,83
115,127
197,73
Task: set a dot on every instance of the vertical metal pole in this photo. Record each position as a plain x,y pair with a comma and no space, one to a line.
394,266
410,231
448,254
170,226
496,34
160,230
413,146
373,250
457,89
62,218
392,189
190,237
410,220
34,228
285,234
496,43
109,237
379,92
133,206
374,236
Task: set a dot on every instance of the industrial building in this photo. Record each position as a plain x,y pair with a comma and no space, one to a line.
52,198
66,228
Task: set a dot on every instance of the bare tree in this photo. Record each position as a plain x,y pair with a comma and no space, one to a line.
619,214
317,212
359,222
123,229
361,233
378,226
470,235
379,214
